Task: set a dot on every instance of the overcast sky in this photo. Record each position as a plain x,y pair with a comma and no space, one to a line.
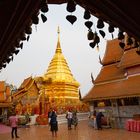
37,53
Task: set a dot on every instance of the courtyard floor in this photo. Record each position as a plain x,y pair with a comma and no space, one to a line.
83,132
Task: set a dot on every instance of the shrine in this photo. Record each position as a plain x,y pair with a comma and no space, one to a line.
58,86
116,88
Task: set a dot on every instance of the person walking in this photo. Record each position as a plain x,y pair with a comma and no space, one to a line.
74,119
69,119
53,123
98,120
13,120
94,119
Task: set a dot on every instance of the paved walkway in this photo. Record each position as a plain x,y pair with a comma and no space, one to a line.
83,132
4,129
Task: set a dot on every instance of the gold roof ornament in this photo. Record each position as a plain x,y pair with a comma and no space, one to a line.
58,69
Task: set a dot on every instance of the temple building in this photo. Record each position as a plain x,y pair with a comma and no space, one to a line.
25,99
116,89
58,85
5,100
56,89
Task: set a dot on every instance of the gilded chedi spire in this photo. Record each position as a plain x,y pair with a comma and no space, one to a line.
58,69
58,86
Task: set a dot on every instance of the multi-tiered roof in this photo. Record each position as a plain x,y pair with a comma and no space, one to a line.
119,76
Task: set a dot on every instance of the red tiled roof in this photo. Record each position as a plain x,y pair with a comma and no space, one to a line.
5,94
25,83
5,91
110,72
113,52
130,58
2,86
118,89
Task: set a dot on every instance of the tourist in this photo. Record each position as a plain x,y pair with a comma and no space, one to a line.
53,123
28,120
13,120
69,118
74,119
98,120
94,120
49,115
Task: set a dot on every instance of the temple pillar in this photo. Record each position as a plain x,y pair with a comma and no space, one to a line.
91,106
116,113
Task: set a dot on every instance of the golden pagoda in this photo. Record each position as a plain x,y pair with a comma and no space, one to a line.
58,84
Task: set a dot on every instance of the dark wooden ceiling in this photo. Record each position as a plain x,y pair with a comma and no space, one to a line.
16,15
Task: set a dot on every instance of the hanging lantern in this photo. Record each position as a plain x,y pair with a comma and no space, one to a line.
111,29
8,60
102,33
87,14
23,36
136,44
88,24
100,24
28,30
17,43
12,57
28,37
21,45
71,18
44,8
92,44
71,6
16,52
3,65
35,19
122,45
44,18
90,35
120,35
96,38
129,41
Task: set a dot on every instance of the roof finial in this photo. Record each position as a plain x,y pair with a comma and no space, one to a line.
58,49
58,31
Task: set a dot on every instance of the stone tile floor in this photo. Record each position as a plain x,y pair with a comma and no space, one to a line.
83,132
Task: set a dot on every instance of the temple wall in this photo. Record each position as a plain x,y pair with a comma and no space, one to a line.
120,115
126,112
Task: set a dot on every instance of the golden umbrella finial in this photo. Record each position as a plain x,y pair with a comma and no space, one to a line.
58,31
58,49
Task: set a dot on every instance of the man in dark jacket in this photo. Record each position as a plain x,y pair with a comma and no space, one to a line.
98,120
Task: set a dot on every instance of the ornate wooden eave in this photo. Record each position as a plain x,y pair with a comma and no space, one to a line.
129,59
113,52
6,104
109,73
23,89
115,90
117,80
